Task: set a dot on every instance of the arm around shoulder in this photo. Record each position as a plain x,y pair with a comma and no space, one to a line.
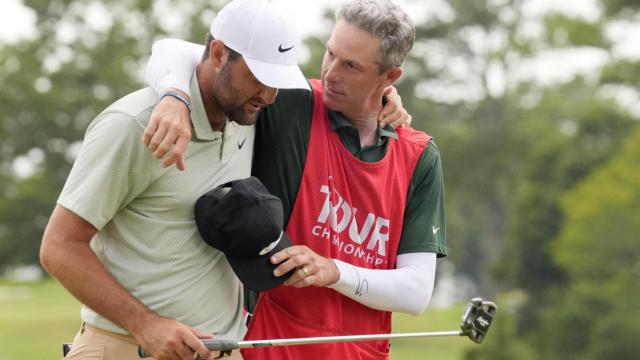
170,68
171,64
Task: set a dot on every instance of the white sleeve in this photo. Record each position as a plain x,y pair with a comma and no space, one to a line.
172,63
406,289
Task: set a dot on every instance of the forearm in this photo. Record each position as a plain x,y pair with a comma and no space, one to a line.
386,289
171,64
67,256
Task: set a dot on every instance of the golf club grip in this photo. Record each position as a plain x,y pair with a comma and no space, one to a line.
213,344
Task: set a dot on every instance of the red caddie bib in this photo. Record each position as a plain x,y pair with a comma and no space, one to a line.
346,209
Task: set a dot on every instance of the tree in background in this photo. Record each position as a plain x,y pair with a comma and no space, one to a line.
84,55
573,129
595,317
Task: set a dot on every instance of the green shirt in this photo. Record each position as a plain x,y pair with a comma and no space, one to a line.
147,237
282,139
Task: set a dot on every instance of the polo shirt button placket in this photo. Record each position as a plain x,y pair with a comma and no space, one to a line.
230,142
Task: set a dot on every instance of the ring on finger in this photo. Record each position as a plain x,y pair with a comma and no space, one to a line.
305,271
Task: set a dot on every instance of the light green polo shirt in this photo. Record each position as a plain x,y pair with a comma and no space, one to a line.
147,237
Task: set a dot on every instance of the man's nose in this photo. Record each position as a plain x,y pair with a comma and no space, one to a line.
331,71
267,94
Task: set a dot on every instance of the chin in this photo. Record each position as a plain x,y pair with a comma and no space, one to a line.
246,122
246,119
331,103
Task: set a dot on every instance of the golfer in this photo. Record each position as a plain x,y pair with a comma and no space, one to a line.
122,238
365,205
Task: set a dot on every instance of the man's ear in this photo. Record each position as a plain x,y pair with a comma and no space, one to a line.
392,75
217,53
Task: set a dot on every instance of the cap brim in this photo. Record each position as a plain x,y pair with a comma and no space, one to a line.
257,273
277,76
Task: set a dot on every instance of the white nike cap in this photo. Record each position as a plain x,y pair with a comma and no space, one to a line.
266,37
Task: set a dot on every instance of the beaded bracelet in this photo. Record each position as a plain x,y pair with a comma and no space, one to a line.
179,97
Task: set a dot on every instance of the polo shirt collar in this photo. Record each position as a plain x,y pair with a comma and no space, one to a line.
201,127
339,121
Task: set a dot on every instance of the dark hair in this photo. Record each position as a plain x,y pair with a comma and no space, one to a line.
233,55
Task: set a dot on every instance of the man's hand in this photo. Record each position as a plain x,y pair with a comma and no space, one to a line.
311,268
67,255
393,113
169,131
167,339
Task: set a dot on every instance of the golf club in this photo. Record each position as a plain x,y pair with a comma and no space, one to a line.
474,324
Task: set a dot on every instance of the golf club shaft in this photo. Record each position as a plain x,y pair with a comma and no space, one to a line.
224,345
336,339
474,324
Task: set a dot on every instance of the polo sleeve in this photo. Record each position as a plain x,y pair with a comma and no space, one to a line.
282,139
111,169
424,227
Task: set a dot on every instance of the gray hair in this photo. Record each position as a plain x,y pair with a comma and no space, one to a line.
385,20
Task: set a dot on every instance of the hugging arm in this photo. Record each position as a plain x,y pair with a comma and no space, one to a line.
170,68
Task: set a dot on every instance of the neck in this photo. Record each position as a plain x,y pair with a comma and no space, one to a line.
217,118
366,121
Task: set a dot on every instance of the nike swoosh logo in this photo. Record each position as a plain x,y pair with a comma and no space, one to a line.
241,144
281,49
435,229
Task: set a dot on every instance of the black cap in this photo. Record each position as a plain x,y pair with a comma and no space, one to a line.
244,221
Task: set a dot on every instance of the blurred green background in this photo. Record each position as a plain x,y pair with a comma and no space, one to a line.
39,317
533,104
36,319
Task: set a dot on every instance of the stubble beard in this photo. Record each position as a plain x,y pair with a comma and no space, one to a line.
227,98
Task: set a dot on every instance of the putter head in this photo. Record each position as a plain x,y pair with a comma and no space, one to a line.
477,318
